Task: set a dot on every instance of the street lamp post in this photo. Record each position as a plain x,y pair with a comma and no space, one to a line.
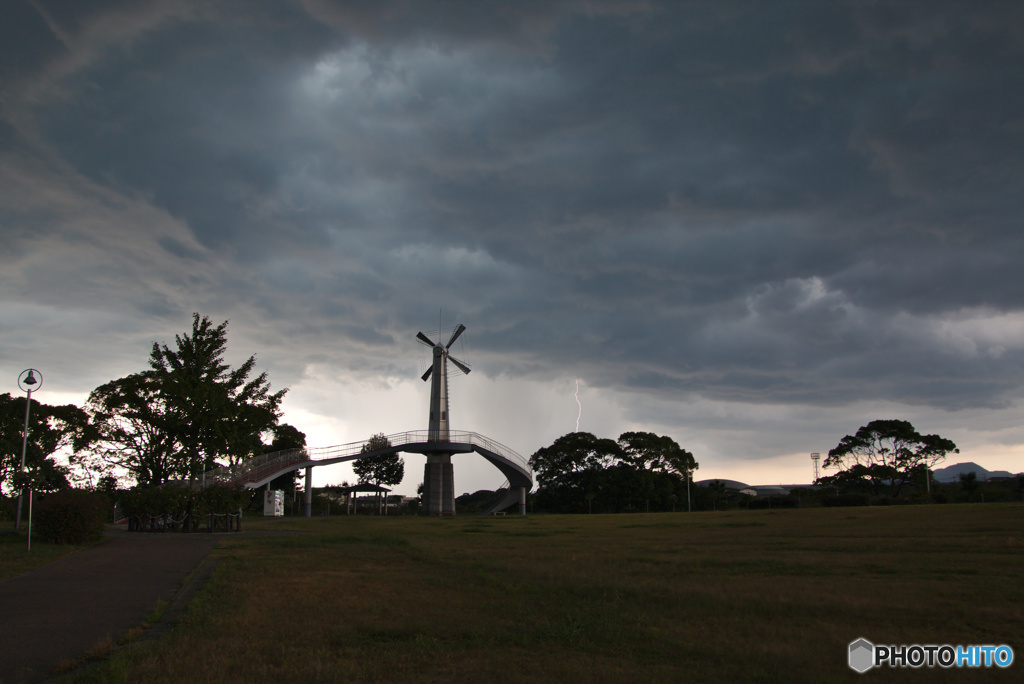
30,380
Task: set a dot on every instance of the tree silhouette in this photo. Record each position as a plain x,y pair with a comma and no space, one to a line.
188,409
581,472
381,470
884,453
651,454
51,429
211,410
134,431
717,488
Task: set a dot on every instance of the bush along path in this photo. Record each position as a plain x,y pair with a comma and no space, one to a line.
59,611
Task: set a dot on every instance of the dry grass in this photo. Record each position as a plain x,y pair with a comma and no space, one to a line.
765,596
15,559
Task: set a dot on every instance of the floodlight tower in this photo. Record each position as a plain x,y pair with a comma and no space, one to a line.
815,456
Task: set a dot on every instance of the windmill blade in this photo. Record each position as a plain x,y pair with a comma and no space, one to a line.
426,375
424,339
462,367
458,331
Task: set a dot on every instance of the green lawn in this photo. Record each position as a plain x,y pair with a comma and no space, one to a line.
759,596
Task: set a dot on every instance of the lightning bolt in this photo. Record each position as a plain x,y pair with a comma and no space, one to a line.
577,395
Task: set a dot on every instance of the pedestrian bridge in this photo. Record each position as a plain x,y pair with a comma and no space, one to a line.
259,470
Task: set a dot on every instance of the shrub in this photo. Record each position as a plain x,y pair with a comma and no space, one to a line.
845,500
6,508
788,501
171,498
994,495
221,499
175,499
70,516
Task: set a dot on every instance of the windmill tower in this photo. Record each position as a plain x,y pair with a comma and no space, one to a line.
438,475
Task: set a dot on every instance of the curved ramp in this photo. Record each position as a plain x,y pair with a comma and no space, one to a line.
259,470
511,497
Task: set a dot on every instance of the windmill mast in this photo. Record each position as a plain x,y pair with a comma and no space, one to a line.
438,475
437,426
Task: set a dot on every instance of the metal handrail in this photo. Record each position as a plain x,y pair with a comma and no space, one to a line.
288,456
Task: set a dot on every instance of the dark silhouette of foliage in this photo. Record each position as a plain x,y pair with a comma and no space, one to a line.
582,473
285,436
189,409
717,489
571,469
134,429
219,499
969,481
171,498
177,501
651,455
51,429
212,410
884,454
382,470
839,500
70,516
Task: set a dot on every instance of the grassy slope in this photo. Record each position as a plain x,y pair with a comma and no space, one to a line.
765,596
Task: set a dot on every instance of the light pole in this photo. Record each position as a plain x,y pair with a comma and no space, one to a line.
30,380
689,475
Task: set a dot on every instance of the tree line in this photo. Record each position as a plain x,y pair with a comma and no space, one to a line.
187,412
581,473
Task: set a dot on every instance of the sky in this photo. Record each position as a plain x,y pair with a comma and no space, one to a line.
752,227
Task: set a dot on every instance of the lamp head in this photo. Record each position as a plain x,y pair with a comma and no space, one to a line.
30,380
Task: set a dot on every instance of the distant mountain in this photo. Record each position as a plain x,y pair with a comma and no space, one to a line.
952,473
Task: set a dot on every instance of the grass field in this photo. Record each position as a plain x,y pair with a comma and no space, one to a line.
759,596
15,558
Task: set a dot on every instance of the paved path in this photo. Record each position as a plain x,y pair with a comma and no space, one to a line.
62,609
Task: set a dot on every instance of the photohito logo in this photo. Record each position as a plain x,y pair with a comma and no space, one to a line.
864,655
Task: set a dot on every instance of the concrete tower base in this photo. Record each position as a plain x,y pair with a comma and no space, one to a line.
438,485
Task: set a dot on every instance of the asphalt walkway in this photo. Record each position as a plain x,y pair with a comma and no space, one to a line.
59,611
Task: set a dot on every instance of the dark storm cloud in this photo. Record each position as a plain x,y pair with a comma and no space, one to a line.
764,202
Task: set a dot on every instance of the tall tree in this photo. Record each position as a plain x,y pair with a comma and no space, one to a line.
285,436
212,410
654,457
885,453
381,470
134,429
573,468
648,451
573,455
718,490
582,472
51,430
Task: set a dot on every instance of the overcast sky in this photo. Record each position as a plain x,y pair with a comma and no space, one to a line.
751,226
